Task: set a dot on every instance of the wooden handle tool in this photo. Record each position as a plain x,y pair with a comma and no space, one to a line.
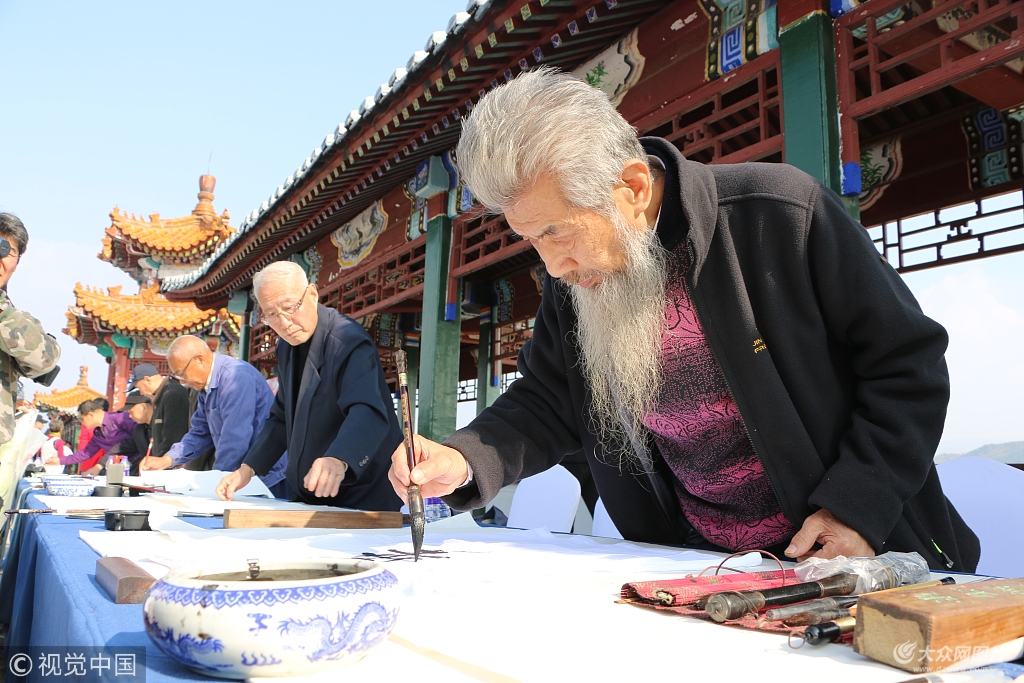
415,497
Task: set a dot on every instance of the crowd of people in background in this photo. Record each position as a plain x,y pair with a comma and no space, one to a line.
321,430
325,437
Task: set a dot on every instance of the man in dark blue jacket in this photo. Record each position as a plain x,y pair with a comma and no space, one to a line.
333,413
234,401
740,365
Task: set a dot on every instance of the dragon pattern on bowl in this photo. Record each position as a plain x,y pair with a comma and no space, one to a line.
255,627
70,487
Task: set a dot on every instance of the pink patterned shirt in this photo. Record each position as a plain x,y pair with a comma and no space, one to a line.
721,484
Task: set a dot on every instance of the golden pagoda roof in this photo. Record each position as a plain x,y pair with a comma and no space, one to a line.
185,238
68,400
147,313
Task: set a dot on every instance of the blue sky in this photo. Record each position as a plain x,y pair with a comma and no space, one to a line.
123,103
127,103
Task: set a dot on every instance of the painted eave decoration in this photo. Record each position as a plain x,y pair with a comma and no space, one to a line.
425,112
356,238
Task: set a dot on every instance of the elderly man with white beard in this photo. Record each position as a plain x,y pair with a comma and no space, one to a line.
741,367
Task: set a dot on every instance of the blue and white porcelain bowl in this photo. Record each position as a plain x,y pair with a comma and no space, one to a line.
70,487
56,477
275,619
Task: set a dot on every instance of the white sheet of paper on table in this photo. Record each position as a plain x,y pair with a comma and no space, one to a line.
196,483
473,552
171,503
543,607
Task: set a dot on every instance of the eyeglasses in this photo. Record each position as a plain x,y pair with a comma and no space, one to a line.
287,312
180,377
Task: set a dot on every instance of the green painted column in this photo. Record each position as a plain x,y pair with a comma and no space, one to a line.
809,103
439,340
241,303
244,340
486,392
412,362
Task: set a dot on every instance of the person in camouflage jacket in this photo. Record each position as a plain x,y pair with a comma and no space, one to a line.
26,350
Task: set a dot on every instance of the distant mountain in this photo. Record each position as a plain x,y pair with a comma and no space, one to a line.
1012,452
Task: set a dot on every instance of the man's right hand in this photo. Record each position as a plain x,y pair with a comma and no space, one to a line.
238,479
153,462
439,469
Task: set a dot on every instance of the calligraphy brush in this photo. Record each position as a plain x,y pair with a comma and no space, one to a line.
149,450
415,497
51,511
150,489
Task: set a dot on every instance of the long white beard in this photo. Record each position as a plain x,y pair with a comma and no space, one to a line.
619,330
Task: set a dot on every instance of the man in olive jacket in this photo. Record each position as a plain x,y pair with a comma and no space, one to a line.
26,350
740,365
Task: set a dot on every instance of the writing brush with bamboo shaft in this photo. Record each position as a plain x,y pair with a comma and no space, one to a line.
416,512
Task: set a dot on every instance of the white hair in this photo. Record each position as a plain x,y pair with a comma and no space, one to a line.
278,271
546,121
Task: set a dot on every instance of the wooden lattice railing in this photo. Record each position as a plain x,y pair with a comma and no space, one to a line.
727,120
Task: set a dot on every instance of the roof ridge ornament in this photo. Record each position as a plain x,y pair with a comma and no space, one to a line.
204,209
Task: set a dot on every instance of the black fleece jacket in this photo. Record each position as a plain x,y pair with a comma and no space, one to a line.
170,416
839,377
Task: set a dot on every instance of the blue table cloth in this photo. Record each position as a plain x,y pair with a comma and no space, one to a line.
49,595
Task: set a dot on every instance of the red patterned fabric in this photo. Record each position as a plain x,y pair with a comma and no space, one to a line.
690,589
686,591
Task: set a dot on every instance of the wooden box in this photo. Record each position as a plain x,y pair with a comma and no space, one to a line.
931,629
311,519
124,581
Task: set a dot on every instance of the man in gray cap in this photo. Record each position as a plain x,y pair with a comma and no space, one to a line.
140,409
169,422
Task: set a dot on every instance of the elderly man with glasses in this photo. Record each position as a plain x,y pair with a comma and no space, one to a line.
234,401
333,414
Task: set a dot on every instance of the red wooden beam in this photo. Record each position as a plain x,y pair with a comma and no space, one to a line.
788,11
930,82
758,150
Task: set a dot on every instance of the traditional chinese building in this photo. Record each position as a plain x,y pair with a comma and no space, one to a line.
151,250
130,329
911,111
65,402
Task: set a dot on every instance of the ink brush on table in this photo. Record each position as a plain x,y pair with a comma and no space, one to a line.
51,511
151,489
789,612
727,606
416,512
